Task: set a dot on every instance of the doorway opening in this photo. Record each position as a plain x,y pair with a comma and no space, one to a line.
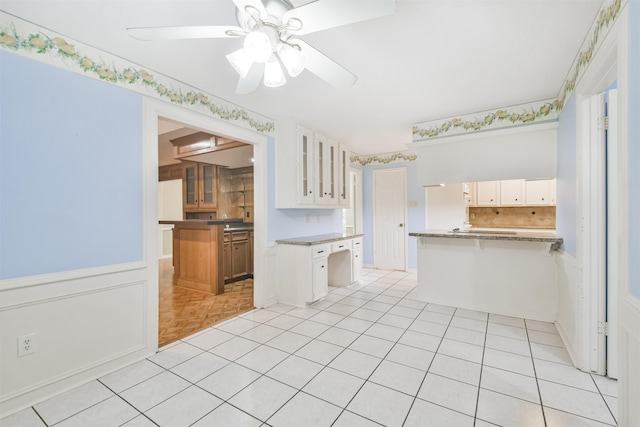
203,185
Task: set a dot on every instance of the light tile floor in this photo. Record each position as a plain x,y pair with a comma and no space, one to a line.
370,354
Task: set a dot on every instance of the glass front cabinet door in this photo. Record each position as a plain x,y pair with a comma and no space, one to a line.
306,166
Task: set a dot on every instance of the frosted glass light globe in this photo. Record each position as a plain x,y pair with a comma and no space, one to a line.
258,46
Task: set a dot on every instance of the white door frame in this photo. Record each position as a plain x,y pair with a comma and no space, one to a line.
356,191
613,275
611,62
152,110
592,222
404,190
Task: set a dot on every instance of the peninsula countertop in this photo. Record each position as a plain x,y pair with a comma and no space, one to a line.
522,236
317,239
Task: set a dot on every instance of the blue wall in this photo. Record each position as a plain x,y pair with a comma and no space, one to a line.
70,171
286,223
566,197
634,147
415,209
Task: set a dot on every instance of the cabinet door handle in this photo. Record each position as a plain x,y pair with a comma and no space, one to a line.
320,252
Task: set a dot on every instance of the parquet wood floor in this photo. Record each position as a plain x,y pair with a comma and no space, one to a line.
184,311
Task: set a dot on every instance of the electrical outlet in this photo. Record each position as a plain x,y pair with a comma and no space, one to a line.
26,344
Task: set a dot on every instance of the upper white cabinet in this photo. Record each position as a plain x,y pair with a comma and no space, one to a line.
540,192
511,192
305,166
312,171
487,193
327,171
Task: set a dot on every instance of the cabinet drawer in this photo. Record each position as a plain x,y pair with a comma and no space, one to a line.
227,237
342,245
357,243
239,235
318,251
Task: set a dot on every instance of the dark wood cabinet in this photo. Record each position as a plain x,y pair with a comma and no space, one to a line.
199,187
237,256
170,172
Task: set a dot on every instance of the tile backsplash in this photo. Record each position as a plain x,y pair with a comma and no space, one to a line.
535,217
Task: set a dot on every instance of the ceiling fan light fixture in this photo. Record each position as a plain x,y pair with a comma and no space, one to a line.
258,46
273,75
292,58
241,61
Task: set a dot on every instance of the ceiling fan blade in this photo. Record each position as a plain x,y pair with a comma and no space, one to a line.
256,4
181,33
326,68
324,14
250,83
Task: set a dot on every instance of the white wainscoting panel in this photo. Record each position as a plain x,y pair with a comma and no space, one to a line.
85,327
569,296
629,367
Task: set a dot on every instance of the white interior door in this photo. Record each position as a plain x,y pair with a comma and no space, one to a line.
389,218
593,247
612,239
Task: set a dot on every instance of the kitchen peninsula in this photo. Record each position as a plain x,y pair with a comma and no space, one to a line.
502,272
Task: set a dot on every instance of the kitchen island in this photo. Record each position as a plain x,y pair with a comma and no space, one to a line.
501,272
197,254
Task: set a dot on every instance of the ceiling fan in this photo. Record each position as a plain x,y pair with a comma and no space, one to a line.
270,29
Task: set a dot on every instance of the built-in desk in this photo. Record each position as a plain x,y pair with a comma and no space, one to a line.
308,265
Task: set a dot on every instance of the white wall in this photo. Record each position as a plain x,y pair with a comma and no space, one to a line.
527,152
170,200
89,289
445,207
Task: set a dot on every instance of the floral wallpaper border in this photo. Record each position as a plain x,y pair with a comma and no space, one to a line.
531,112
27,39
383,159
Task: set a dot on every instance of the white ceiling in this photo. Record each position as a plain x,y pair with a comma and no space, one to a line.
430,60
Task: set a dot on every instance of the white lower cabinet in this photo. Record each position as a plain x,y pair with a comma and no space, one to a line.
357,264
306,271
319,279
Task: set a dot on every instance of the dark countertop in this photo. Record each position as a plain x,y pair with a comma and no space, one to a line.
229,224
317,239
522,236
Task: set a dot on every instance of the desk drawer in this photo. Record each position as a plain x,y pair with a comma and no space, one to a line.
357,242
342,245
318,251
